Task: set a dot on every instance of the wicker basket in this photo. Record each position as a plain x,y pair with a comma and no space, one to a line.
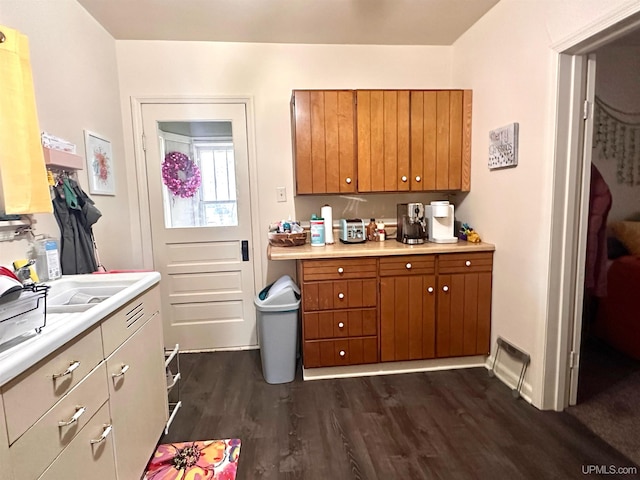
287,239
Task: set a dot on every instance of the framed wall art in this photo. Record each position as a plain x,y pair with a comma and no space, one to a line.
503,147
99,164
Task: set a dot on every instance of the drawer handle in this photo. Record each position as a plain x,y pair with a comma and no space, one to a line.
74,419
408,265
72,366
105,433
122,371
340,270
418,178
341,325
342,353
404,178
430,289
445,289
468,263
348,180
341,295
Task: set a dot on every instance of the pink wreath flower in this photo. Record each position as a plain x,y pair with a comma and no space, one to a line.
180,174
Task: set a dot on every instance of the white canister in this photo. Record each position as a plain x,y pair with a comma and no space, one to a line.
317,232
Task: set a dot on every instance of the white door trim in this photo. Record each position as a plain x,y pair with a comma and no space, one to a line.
566,206
142,184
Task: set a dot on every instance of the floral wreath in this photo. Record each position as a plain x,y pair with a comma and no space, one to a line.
180,174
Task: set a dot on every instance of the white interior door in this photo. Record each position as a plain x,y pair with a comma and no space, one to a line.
201,229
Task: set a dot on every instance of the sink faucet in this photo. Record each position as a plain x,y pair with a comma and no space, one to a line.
24,273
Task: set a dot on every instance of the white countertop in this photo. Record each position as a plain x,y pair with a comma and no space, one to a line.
19,354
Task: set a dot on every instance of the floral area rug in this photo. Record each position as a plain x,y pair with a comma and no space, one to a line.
203,460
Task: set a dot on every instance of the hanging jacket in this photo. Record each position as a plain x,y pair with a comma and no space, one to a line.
75,213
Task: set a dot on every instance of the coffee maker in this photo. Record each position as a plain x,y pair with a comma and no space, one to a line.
412,228
441,222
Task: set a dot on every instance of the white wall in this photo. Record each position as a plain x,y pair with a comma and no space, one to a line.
508,60
617,85
76,86
268,73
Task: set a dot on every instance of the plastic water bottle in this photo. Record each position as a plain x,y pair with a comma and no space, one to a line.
48,259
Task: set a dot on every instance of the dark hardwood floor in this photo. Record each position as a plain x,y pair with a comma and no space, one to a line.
458,424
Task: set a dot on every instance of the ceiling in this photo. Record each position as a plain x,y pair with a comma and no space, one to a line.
359,22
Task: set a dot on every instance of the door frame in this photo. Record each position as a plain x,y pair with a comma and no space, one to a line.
568,200
142,180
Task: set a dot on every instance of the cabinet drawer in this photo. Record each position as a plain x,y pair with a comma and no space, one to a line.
465,262
331,353
407,265
123,323
349,323
96,460
43,442
31,394
339,294
338,269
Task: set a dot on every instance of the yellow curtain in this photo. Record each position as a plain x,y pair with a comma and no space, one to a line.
22,170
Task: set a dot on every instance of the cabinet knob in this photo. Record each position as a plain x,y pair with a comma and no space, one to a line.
341,295
348,180
404,178
341,325
340,270
430,289
342,353
408,265
418,178
468,263
445,289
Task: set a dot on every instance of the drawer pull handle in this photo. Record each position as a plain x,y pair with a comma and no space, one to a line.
340,270
122,371
418,178
348,180
341,295
105,433
468,263
342,353
404,178
408,265
445,289
341,325
74,419
72,366
430,289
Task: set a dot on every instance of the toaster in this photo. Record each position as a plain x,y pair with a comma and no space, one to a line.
352,230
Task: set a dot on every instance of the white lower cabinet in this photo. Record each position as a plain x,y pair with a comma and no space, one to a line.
95,408
89,455
138,398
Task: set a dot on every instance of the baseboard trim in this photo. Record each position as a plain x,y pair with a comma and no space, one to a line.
226,349
393,368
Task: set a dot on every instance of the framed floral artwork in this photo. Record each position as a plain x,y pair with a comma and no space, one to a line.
102,180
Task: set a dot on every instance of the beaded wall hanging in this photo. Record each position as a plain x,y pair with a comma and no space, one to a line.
617,135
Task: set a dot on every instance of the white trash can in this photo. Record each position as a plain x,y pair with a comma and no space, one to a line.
277,308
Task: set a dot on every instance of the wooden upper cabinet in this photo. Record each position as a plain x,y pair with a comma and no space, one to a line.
323,128
383,140
441,140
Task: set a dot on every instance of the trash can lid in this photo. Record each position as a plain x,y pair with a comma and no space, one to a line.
283,293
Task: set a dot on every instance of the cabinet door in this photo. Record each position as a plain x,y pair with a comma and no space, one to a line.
464,314
441,140
323,125
407,317
383,140
138,397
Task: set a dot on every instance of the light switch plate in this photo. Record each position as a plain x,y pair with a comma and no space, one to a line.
281,194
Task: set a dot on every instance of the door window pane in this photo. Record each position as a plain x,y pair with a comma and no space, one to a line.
198,174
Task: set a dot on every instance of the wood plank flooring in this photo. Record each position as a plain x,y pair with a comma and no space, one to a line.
458,424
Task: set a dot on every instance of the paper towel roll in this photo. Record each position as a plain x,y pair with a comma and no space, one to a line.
327,213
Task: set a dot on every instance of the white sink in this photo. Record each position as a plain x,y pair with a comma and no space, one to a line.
71,295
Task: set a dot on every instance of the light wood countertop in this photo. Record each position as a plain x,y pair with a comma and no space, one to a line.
372,249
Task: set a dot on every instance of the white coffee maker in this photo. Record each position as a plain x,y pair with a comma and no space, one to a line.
440,221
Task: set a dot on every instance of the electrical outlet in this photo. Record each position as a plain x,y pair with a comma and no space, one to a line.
281,194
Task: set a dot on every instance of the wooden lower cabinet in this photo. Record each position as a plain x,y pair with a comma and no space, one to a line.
416,307
463,320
